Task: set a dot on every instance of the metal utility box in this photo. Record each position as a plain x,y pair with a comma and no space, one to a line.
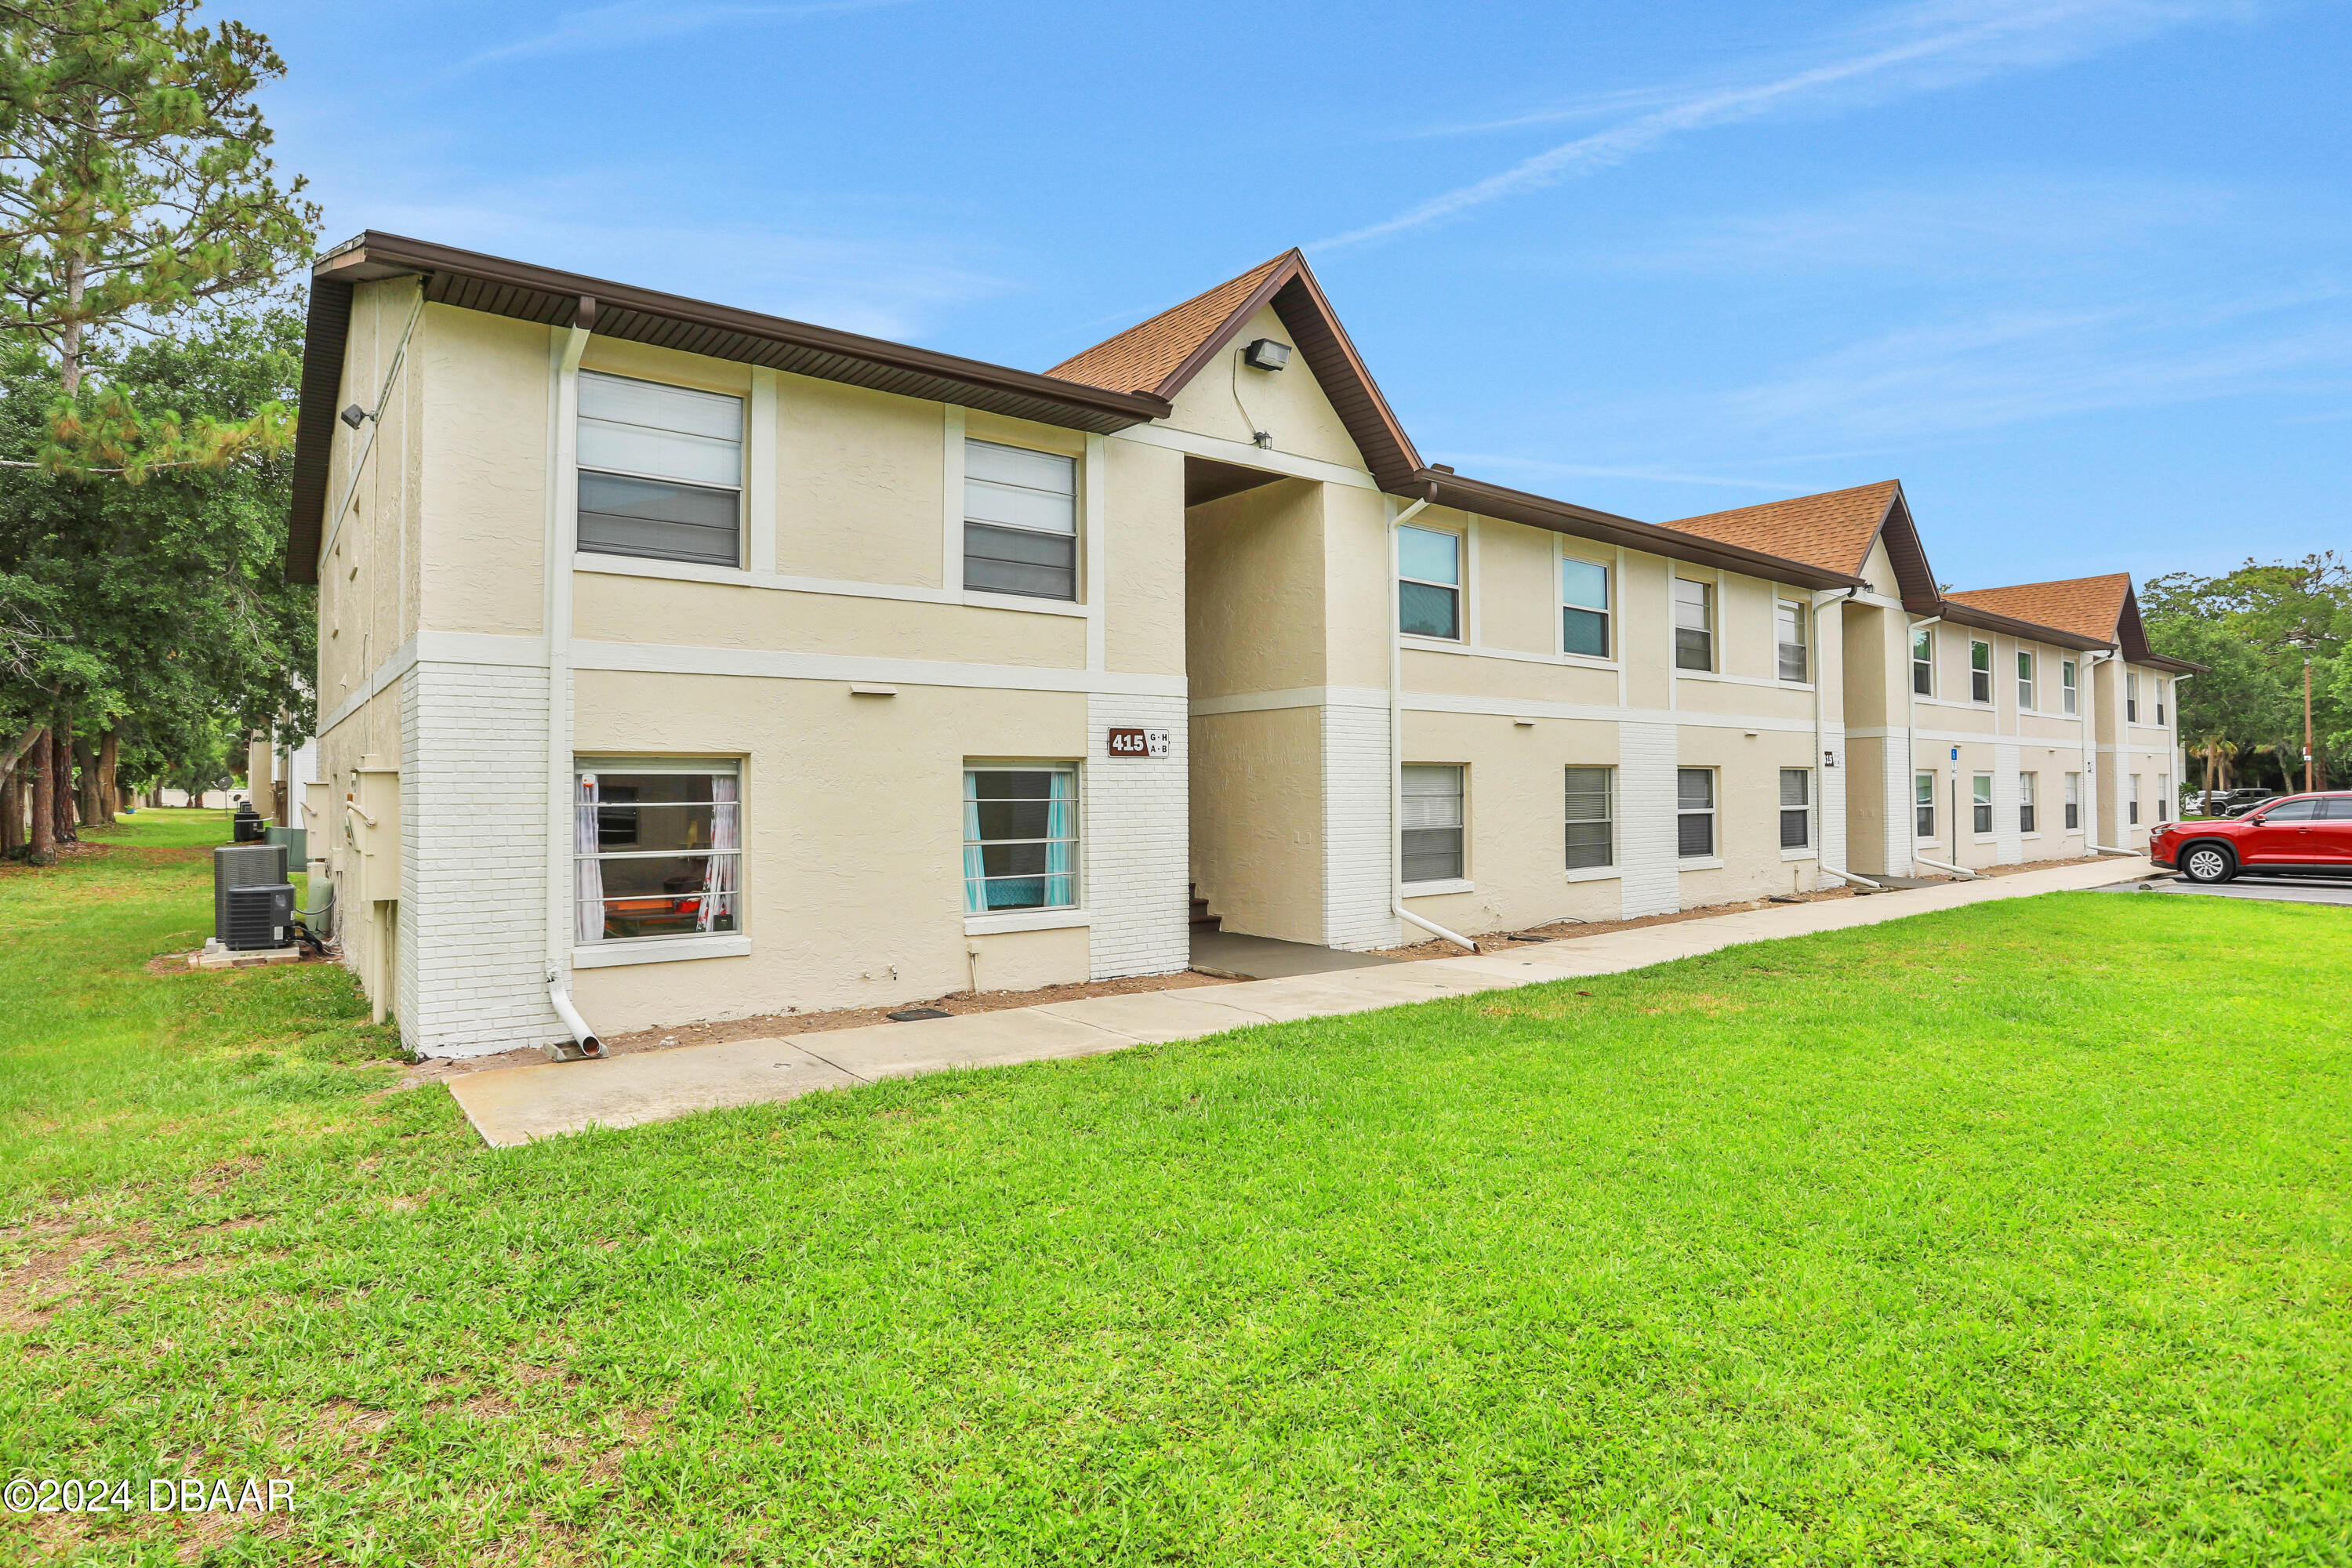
244,866
259,917
297,841
247,826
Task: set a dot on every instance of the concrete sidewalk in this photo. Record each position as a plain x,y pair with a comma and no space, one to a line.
509,1106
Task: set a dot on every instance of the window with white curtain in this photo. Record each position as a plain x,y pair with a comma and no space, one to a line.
1694,813
1788,640
1019,521
657,847
1796,809
1592,825
661,470
1020,837
1584,607
1433,822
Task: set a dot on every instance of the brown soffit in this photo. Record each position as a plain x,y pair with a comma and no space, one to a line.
1161,356
1484,499
474,281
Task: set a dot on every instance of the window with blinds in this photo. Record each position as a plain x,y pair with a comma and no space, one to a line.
1433,823
1592,825
1694,813
661,472
1796,809
1789,641
1019,521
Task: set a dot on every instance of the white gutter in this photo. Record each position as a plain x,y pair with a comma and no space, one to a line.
1960,871
1822,598
562,508
1396,731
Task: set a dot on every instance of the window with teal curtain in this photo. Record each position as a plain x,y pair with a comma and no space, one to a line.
1020,839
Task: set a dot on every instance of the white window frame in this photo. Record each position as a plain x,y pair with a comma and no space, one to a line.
1460,828
1803,644
1076,536
2028,673
704,943
1985,644
1926,664
2131,695
1708,616
2028,805
2132,805
1804,811
1923,799
2164,797
2073,816
580,465
1607,819
1711,812
1023,914
2067,685
1459,587
1606,609
1981,805
2159,701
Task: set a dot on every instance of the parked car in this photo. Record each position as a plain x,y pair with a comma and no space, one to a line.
2237,801
2300,836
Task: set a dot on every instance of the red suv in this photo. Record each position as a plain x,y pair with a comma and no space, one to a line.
2298,835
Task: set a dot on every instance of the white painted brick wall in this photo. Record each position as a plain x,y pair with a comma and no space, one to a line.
2008,845
473,825
1646,755
1356,880
1138,849
1830,811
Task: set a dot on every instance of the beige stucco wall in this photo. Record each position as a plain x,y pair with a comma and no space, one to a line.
486,382
617,606
853,838
1144,544
1257,821
1255,590
1288,405
860,479
1748,813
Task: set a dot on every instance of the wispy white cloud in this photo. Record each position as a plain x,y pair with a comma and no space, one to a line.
631,22
1939,44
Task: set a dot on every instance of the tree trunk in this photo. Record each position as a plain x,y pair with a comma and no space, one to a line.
61,790
93,810
109,792
12,812
42,846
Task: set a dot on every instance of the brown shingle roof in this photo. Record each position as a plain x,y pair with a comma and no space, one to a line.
1151,353
2087,607
1832,530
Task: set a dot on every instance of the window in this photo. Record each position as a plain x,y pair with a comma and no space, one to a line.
2133,819
661,472
2131,695
1788,640
1020,839
2160,700
2025,793
1980,798
1923,660
1584,609
1429,583
1433,823
2073,803
1980,672
1694,624
1019,521
2297,811
1591,827
2024,681
1796,809
657,848
1923,804
1695,813
2164,797
2066,683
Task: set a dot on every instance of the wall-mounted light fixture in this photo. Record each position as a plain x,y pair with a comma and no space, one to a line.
353,415
1265,353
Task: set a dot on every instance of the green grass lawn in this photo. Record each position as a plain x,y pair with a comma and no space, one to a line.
2018,1234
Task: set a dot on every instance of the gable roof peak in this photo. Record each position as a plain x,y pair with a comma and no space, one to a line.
1159,350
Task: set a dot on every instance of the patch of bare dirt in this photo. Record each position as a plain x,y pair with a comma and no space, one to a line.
769,1025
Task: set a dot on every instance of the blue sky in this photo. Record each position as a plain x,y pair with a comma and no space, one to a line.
2079,272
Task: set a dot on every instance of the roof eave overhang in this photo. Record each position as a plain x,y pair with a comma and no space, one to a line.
1993,621
471,281
1484,499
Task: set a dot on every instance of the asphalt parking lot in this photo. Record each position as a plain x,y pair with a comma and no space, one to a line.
2275,890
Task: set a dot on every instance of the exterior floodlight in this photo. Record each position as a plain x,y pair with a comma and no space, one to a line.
1265,353
353,415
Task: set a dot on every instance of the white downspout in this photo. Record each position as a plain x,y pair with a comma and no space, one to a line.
1396,731
2091,759
1911,746
1822,598
562,508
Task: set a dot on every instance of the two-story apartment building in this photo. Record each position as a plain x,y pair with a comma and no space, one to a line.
680,662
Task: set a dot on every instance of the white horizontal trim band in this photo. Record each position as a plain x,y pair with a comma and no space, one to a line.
770,664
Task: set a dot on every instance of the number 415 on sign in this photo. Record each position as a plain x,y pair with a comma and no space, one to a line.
1138,743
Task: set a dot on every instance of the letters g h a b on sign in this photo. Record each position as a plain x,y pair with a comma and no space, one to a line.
1124,742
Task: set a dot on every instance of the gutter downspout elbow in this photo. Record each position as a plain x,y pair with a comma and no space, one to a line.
582,1034
1396,735
1960,871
